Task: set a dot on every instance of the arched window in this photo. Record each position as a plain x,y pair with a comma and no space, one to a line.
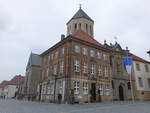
91,30
129,85
86,27
79,25
75,26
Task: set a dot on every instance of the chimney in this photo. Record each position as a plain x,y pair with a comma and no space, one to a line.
62,36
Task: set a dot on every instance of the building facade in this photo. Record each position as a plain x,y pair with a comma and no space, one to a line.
141,72
29,89
78,66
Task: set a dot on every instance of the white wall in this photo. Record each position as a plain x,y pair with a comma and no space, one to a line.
10,91
143,74
0,92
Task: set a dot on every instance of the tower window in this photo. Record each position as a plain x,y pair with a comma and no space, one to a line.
91,29
86,28
75,26
79,25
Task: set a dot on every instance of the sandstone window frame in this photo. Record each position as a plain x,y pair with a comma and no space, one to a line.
107,90
93,69
85,88
55,69
76,87
84,51
101,89
77,49
100,70
62,66
140,81
85,67
92,52
76,65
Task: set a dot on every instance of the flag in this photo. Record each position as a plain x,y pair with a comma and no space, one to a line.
128,64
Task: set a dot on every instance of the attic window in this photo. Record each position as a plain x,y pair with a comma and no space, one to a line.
75,26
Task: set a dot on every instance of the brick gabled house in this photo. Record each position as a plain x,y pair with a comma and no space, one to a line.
77,66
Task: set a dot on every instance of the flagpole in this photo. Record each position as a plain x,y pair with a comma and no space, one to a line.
130,78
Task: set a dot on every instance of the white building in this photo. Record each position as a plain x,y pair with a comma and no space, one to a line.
141,72
10,88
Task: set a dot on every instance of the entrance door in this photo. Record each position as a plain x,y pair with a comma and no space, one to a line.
93,91
121,93
40,91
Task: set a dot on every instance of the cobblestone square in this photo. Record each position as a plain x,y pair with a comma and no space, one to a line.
14,106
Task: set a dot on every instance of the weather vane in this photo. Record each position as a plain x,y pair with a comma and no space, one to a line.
80,6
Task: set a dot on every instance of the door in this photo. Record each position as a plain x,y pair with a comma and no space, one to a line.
93,91
121,93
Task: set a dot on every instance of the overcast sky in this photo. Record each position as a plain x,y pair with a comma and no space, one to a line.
36,25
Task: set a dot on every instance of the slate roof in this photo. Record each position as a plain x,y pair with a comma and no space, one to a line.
81,14
79,34
136,58
34,60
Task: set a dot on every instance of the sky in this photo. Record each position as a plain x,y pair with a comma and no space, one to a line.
35,25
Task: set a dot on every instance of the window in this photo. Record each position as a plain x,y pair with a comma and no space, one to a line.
79,25
86,27
98,55
55,69
75,26
50,88
129,85
105,71
93,69
92,53
105,57
47,72
148,80
146,68
60,87
118,67
77,49
101,89
140,82
61,66
44,89
76,87
100,70
76,65
84,51
137,67
85,88
52,56
56,54
62,51
107,90
85,67
91,30
49,58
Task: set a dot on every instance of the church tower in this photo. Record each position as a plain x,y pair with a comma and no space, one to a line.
80,21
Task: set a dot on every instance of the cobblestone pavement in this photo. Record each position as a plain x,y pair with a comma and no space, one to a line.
14,106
